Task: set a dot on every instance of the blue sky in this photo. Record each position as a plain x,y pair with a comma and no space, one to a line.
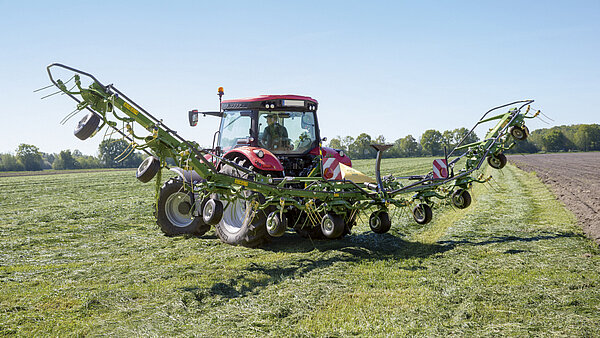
382,67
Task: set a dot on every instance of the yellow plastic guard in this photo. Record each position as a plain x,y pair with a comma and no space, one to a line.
354,175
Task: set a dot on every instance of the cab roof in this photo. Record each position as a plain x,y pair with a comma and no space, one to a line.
279,102
272,97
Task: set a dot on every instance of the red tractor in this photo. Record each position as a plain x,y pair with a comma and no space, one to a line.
274,135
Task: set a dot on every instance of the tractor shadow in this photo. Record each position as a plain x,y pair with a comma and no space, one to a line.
320,254
350,249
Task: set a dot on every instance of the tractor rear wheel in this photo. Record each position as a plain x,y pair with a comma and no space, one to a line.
241,223
422,213
174,213
497,161
87,126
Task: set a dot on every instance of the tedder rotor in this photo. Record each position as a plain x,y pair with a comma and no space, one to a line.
267,170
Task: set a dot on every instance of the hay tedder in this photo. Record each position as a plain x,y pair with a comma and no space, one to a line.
267,170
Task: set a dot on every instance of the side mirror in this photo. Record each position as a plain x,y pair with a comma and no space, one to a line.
324,139
193,117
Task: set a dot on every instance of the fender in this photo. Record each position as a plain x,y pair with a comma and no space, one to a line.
267,163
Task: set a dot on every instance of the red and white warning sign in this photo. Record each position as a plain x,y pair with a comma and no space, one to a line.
440,168
331,168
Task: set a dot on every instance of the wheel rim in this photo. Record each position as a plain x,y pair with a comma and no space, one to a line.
419,213
84,121
495,162
144,165
173,209
234,215
375,222
328,224
518,133
459,201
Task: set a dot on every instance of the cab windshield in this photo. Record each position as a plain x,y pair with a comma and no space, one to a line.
286,132
235,126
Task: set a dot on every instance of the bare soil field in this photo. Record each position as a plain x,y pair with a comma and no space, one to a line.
574,178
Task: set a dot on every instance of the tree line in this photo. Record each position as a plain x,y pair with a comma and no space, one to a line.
580,137
111,154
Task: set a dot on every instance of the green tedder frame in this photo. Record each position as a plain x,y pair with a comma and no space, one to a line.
318,195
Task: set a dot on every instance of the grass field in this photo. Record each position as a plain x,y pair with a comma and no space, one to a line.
80,254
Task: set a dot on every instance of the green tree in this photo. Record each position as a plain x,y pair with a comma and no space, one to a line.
431,141
409,146
336,143
9,162
361,147
65,160
587,137
460,133
113,154
554,140
29,156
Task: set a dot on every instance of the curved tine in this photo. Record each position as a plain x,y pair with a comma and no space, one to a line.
70,115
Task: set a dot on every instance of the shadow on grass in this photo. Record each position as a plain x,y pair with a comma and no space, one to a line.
354,248
507,239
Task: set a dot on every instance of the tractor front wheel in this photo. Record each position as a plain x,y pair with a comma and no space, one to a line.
242,224
497,161
174,213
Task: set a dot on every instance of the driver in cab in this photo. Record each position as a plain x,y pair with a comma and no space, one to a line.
275,135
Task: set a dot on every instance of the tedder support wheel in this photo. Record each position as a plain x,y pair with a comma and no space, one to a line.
380,222
332,225
422,213
497,161
212,211
461,199
276,225
241,224
87,126
148,169
518,133
174,214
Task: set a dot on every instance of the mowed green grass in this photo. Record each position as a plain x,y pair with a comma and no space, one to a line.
80,254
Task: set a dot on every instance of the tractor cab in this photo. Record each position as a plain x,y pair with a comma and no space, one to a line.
281,124
275,132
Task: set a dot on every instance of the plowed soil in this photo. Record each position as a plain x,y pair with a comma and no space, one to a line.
574,178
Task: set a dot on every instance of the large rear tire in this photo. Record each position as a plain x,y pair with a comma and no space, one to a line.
174,213
238,227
